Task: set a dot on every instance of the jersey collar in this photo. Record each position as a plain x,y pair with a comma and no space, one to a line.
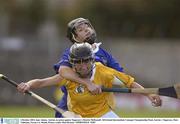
97,45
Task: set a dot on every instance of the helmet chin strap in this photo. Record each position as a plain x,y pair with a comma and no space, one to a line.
75,38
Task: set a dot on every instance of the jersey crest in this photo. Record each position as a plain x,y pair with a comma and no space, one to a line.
79,89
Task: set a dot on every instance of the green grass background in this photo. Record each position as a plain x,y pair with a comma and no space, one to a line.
46,112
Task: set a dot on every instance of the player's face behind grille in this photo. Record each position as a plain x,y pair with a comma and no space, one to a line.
83,67
84,33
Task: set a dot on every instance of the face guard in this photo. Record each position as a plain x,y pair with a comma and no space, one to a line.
82,58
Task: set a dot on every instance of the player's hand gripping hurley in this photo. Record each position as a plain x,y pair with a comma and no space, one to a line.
173,91
66,114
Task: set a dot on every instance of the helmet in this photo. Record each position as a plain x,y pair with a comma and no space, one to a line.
72,26
81,52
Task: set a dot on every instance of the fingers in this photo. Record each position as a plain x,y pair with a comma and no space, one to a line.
155,100
94,89
23,87
97,90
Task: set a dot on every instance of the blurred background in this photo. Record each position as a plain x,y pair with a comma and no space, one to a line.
143,35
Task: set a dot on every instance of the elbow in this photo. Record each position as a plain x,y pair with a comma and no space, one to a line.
61,71
64,71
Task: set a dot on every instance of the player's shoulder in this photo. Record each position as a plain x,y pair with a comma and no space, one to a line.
67,50
103,51
99,65
103,68
103,71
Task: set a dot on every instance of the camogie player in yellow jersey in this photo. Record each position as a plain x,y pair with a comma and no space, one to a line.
80,100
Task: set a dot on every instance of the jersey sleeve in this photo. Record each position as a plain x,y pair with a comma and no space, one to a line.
63,61
109,76
121,78
127,80
112,62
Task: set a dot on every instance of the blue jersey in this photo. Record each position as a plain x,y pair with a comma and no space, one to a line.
100,56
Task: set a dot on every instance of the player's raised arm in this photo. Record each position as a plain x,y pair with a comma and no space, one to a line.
38,83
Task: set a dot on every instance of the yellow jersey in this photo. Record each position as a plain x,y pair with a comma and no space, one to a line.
82,102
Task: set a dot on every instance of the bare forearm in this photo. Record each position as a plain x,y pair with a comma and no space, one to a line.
39,83
68,73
